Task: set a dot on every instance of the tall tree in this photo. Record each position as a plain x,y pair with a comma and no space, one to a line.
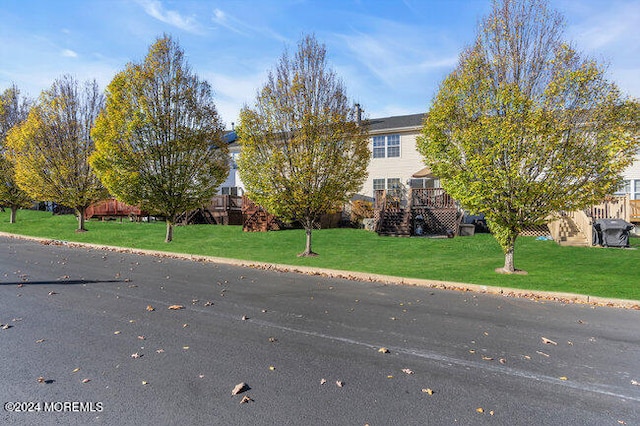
524,127
50,149
159,139
13,110
303,150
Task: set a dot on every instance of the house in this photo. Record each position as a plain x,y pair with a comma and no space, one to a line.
233,184
631,188
395,161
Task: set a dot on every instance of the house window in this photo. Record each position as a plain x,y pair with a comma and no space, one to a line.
625,188
416,183
378,184
636,190
393,183
386,146
379,147
233,163
231,190
393,146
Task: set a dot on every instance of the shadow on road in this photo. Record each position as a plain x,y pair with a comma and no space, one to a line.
63,282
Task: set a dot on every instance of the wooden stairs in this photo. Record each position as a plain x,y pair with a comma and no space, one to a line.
396,222
570,234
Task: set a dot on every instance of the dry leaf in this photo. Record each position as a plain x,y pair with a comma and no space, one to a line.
150,308
176,307
272,368
39,340
407,371
245,399
563,378
75,370
383,350
480,410
487,358
135,355
542,353
635,382
51,293
201,376
339,383
389,376
428,391
144,382
323,381
548,341
86,380
240,387
264,311
209,303
273,339
5,326
159,351
116,332
244,318
502,361
41,379
186,348
141,337
472,351
491,412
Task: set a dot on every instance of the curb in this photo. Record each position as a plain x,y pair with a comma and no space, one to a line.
568,298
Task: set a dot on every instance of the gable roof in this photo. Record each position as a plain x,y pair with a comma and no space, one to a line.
396,122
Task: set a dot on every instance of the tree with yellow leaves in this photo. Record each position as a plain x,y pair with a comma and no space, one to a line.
303,150
51,148
524,127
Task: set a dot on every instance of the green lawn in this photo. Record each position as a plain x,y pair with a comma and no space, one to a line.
593,271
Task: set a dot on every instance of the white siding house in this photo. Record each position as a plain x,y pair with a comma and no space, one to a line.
233,184
394,158
631,178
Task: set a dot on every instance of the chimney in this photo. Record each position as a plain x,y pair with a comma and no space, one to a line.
358,113
233,126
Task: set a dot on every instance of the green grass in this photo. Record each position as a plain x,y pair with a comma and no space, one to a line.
592,271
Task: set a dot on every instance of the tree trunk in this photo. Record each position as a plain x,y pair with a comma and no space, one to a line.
508,261
169,236
81,211
12,218
307,251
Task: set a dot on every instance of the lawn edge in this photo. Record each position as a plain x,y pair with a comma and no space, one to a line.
567,298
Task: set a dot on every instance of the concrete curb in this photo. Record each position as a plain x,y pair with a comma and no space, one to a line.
357,276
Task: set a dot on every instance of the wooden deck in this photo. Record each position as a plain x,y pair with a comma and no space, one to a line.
634,214
423,211
112,208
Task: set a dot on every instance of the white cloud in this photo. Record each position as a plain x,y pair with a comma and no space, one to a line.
155,9
68,53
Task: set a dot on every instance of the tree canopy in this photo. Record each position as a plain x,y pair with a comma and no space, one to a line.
524,127
50,149
13,110
159,140
303,150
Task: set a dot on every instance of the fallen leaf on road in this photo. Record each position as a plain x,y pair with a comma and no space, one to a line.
239,388
51,293
383,350
159,351
548,341
428,391
491,412
116,332
186,348
487,358
135,355
144,382
141,338
185,325
502,361
323,381
150,308
273,339
201,376
209,303
176,307
272,368
40,379
563,378
407,371
480,410
39,340
86,380
542,353
244,318
245,399
339,383
75,370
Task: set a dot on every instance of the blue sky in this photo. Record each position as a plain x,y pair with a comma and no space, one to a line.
391,55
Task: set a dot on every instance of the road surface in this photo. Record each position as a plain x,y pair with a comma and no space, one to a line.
88,337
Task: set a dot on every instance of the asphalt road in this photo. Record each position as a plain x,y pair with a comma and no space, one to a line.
78,328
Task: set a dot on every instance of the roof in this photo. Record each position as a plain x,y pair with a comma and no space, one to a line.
396,122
